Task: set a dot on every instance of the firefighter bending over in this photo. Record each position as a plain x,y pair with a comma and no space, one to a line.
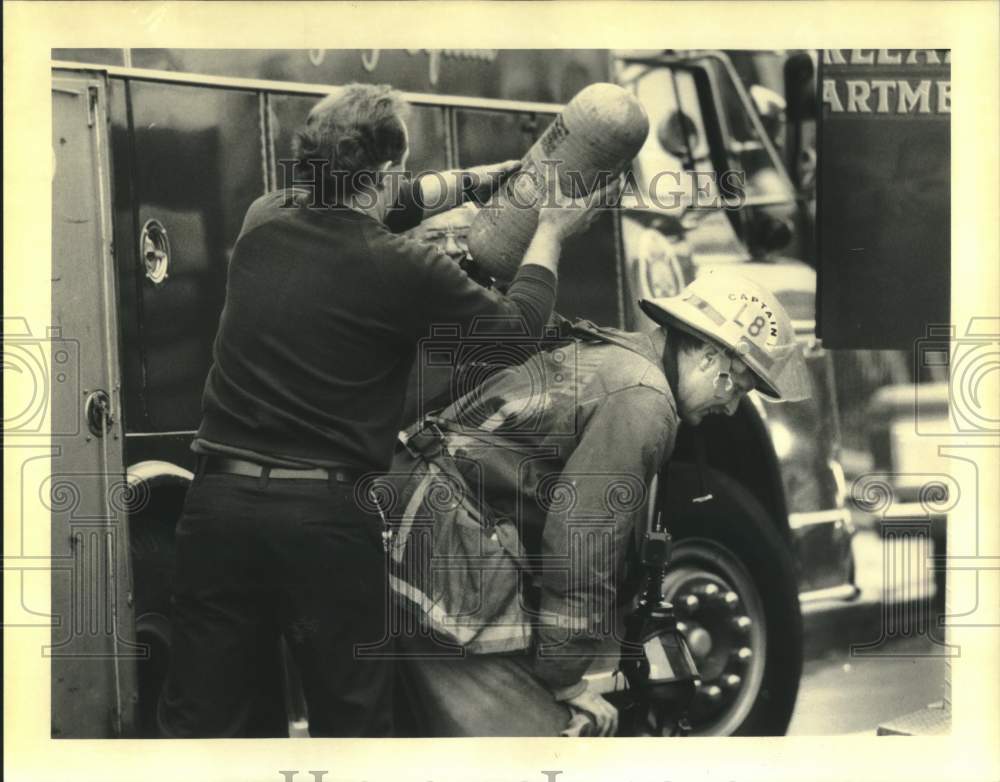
546,466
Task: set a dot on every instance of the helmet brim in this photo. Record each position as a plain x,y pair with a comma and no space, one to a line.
674,312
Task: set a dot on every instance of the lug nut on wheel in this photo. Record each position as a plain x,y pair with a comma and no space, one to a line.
690,602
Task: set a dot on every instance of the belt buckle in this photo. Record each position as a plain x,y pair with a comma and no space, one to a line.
407,439
428,426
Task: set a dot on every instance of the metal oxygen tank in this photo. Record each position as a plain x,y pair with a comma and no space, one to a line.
600,130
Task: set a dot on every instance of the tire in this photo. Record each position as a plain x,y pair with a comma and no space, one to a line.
731,543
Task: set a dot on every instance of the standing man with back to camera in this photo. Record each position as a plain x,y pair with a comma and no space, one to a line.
324,308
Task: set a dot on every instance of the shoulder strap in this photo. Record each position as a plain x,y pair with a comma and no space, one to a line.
588,331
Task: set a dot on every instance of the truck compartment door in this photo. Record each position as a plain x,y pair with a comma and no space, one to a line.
93,673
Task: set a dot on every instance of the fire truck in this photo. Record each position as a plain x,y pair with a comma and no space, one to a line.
157,155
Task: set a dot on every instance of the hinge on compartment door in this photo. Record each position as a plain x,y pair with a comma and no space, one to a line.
93,99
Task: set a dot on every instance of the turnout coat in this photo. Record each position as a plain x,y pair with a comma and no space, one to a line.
515,506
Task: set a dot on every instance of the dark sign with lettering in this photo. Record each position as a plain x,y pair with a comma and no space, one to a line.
883,201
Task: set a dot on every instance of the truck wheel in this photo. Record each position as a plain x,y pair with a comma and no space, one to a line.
732,581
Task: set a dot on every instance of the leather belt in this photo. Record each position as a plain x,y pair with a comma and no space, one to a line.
230,466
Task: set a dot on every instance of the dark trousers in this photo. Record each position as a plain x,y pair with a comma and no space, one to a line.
257,557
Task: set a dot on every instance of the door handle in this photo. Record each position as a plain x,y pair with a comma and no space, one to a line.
97,411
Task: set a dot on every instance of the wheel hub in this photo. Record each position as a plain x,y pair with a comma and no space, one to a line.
699,642
725,636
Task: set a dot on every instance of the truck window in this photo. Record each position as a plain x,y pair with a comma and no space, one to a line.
677,144
493,136
288,113
428,141
746,149
674,170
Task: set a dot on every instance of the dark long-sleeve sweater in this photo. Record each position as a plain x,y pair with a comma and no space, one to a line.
324,309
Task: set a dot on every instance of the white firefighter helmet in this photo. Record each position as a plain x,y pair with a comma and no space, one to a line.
745,319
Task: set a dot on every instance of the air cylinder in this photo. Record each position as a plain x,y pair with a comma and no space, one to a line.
600,130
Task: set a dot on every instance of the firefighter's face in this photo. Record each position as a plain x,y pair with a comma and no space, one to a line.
449,231
711,383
